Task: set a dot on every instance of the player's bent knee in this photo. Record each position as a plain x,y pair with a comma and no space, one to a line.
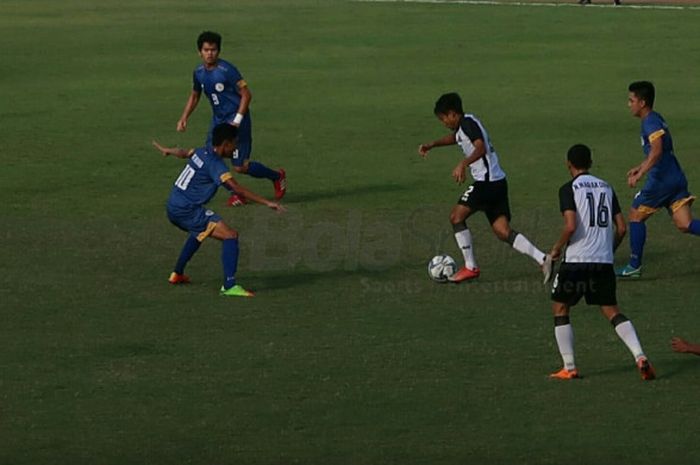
683,229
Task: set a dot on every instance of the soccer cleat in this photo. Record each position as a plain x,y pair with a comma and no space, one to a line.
464,274
565,374
547,268
236,291
236,200
628,272
281,185
645,369
176,278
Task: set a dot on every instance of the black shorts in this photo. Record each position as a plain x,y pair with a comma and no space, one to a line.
595,281
488,197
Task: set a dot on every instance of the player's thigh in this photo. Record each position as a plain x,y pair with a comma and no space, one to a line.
568,285
222,231
560,309
639,215
244,148
601,285
682,217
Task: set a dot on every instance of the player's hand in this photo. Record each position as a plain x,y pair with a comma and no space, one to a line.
680,345
423,150
181,125
277,207
458,174
633,171
163,150
633,179
555,253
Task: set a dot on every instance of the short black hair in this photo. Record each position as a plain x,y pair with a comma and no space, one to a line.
222,133
448,102
644,90
209,37
579,156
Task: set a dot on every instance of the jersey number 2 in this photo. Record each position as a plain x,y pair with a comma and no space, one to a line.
598,216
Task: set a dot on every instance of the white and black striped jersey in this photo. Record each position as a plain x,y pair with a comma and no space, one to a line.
486,168
595,204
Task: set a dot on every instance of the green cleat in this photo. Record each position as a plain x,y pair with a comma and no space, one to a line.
628,272
236,291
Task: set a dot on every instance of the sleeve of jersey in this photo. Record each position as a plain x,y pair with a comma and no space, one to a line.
471,129
615,205
220,173
566,198
235,77
196,85
654,130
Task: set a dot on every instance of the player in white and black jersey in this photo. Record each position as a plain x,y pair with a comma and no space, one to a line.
593,228
488,193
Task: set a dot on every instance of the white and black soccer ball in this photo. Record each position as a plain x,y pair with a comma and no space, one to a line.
441,267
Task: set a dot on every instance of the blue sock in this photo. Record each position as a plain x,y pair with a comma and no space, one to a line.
638,236
694,228
258,170
188,250
229,259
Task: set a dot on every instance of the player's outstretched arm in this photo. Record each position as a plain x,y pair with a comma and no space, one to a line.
174,151
449,139
685,347
191,104
249,195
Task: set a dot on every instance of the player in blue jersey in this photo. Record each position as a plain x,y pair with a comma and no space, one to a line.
230,97
204,172
666,185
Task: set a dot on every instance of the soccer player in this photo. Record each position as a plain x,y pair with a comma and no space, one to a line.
666,184
593,228
488,193
230,97
204,172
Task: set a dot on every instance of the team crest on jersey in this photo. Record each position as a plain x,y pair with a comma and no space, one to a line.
219,86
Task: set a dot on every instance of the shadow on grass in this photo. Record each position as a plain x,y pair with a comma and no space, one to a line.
665,368
349,192
292,279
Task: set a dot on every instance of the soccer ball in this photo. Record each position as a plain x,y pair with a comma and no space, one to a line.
441,267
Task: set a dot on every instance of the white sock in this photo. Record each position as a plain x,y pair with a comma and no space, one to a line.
564,334
464,241
629,336
522,245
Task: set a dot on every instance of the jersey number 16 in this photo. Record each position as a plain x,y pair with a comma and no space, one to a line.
598,216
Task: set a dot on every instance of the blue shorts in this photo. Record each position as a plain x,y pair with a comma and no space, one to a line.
197,220
244,142
655,195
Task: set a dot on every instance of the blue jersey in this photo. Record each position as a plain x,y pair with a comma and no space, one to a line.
200,178
667,171
220,85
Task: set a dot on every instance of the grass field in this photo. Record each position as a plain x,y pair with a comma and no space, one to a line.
349,354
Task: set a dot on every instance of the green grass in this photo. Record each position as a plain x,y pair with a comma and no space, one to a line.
348,354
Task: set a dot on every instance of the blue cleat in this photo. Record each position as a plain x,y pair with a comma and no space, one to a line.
628,272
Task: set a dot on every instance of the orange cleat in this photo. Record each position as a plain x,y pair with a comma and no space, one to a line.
281,185
645,369
236,200
565,374
464,274
176,278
